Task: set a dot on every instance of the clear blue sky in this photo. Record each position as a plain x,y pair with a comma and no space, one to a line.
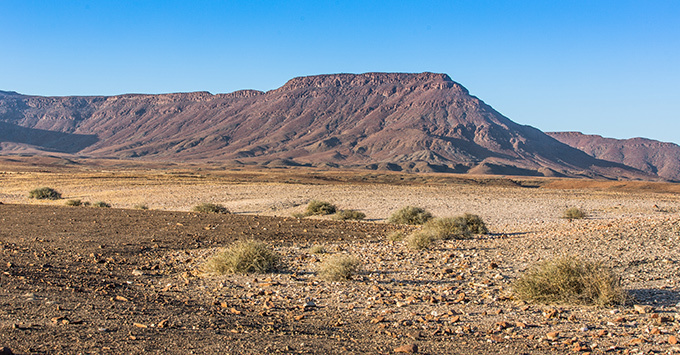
602,67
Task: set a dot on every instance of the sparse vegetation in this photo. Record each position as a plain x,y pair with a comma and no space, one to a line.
410,215
447,228
396,236
210,208
316,207
244,257
74,203
419,240
317,249
475,224
44,193
344,215
141,207
101,204
339,267
574,213
568,280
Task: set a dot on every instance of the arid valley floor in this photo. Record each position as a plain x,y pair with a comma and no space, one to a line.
85,280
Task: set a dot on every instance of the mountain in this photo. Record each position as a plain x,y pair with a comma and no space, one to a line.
654,157
395,121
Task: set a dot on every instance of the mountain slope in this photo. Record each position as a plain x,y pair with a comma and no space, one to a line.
415,122
654,157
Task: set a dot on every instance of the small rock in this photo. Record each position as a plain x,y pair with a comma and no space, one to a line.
642,309
552,335
493,266
137,272
407,349
121,299
672,340
139,325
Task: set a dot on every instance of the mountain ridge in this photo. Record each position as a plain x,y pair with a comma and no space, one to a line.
395,121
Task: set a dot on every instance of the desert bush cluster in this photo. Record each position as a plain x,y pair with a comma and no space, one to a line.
210,208
244,257
44,193
574,213
444,228
570,280
324,208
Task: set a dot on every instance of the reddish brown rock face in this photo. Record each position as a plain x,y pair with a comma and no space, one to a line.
394,121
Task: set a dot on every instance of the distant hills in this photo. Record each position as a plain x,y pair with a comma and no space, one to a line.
654,157
392,121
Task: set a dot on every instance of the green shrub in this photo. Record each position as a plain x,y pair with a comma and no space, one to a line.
344,215
419,240
74,203
410,215
210,208
44,193
316,207
475,224
396,236
101,204
568,280
574,213
339,267
244,257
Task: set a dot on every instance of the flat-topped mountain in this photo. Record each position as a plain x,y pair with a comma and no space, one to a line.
396,121
654,157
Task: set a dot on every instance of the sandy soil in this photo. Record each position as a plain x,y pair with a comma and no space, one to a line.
92,280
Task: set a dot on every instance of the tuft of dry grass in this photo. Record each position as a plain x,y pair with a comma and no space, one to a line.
316,208
140,207
419,240
317,249
574,213
475,224
344,215
569,280
339,267
210,208
74,203
447,228
44,193
410,215
101,204
244,257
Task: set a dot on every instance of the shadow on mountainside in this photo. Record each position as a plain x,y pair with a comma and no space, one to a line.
47,140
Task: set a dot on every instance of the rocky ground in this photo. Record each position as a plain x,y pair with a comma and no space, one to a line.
95,280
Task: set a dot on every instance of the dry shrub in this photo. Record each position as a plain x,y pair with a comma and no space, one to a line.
344,215
101,204
410,215
210,208
244,257
74,203
447,228
339,267
140,207
475,224
419,240
317,249
316,207
44,193
396,236
574,213
568,280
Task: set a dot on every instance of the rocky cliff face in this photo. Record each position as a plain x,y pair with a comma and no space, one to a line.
654,157
396,121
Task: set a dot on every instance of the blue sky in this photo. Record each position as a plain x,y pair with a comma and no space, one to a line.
600,67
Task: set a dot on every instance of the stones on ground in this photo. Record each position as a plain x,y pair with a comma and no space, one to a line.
6,351
672,339
407,349
643,309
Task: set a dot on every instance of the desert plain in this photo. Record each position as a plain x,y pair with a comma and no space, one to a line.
86,280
